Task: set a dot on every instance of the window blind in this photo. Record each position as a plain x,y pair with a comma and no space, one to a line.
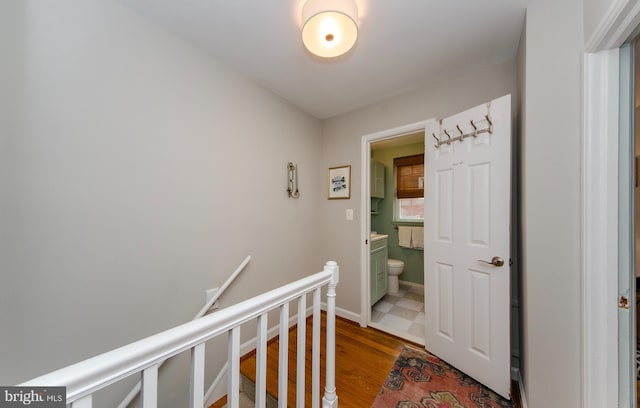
410,176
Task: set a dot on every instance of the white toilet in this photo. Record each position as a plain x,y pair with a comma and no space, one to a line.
394,269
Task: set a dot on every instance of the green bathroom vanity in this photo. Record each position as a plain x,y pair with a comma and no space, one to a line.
378,267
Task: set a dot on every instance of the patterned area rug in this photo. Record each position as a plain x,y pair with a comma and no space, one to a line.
421,380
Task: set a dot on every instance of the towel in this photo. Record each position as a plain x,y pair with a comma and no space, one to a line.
404,236
417,237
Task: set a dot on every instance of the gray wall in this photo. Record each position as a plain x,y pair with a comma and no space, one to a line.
440,97
551,153
136,172
383,222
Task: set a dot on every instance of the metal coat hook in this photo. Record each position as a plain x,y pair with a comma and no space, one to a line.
461,137
437,140
490,123
448,141
475,128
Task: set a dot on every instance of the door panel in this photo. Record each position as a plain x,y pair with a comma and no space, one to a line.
467,214
444,191
444,303
479,204
480,312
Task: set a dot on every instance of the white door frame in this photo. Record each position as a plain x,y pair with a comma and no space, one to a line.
365,207
600,204
600,230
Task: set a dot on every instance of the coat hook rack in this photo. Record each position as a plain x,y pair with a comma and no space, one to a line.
474,133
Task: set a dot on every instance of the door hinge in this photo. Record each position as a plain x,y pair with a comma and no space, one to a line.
623,302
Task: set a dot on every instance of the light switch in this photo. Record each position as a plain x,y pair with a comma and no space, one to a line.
349,215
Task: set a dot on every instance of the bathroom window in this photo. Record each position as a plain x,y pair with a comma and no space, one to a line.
411,209
409,187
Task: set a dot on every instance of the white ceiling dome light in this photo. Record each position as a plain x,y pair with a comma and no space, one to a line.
330,27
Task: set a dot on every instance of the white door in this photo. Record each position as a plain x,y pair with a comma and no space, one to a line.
467,210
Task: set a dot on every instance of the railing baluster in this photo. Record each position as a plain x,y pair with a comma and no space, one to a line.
84,402
261,362
315,351
150,387
233,377
283,356
330,399
301,350
196,397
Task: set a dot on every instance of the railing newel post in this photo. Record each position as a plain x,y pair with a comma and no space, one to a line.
330,399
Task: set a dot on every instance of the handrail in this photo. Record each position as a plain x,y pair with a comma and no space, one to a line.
84,378
136,388
224,287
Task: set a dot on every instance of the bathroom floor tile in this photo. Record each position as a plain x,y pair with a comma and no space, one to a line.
418,297
376,316
383,306
400,293
411,304
393,299
395,323
402,312
416,330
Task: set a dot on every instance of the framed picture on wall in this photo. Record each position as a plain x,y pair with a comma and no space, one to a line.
339,182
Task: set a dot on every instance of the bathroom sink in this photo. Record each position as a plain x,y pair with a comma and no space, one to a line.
375,237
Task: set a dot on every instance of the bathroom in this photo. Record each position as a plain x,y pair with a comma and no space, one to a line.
397,240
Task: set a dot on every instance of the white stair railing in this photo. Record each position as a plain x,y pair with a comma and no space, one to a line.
136,388
144,356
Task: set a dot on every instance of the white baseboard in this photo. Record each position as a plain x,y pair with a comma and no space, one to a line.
344,313
411,283
347,314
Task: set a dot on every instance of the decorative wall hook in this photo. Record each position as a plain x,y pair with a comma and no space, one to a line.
292,180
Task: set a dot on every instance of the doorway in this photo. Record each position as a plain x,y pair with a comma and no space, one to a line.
467,297
396,263
387,136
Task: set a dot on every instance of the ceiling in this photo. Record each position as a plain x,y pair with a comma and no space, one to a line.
401,44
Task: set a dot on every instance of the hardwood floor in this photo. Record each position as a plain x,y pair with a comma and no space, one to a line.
364,358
